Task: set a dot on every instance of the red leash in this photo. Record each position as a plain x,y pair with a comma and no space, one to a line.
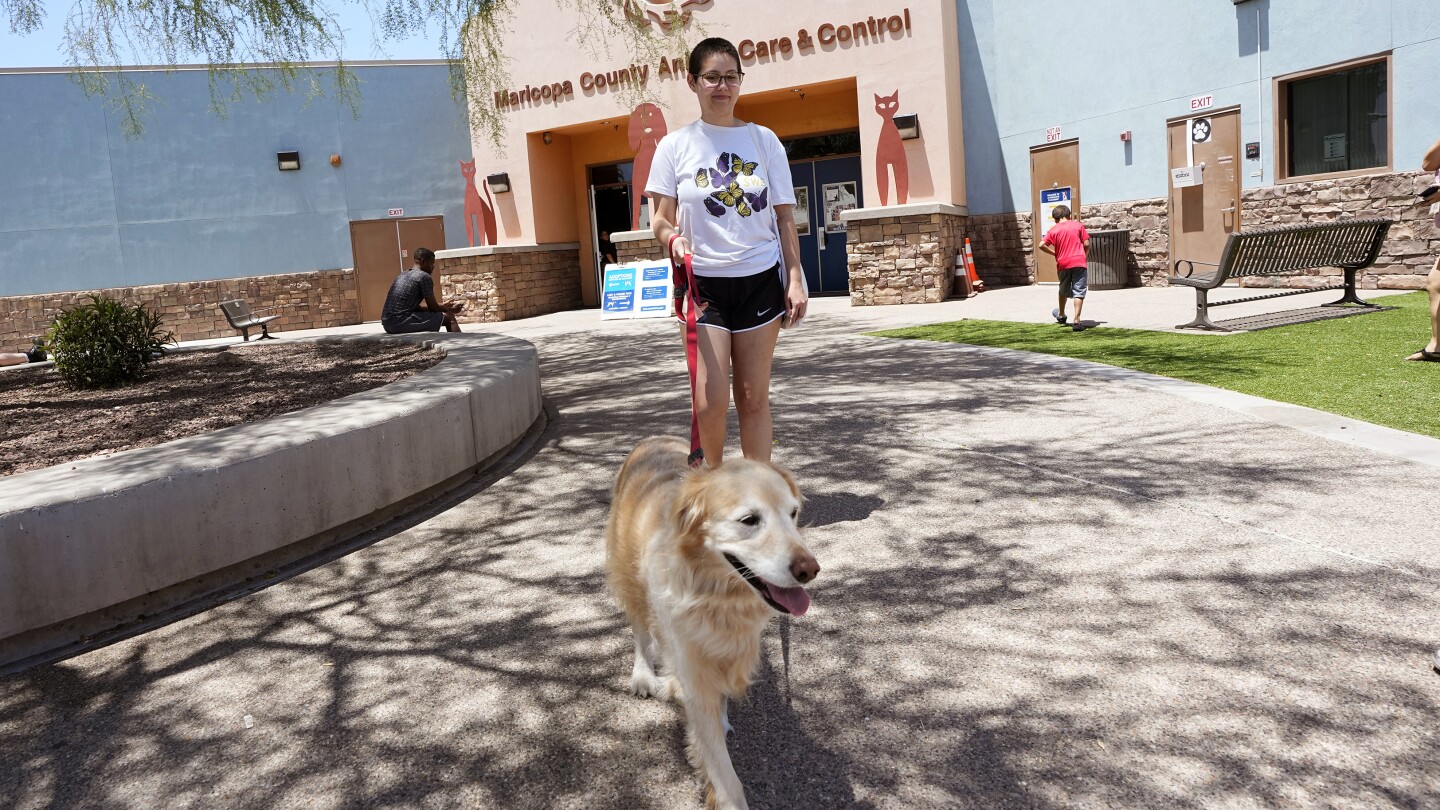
685,288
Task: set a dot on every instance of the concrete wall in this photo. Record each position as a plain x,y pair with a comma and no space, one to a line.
80,539
198,197
1095,69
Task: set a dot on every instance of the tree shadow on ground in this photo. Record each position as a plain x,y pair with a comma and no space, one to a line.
995,625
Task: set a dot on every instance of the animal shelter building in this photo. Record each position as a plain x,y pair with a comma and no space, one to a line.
910,128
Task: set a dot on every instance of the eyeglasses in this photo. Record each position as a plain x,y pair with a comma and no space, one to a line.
714,79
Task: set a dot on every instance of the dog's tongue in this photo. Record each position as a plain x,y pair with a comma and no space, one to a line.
795,600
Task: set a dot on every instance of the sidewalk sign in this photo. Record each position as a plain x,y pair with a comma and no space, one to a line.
637,290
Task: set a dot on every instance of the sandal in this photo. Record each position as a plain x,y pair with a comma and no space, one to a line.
1426,356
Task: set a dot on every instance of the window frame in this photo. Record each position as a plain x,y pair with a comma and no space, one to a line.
1281,131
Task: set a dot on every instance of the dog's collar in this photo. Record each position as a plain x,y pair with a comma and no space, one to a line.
755,582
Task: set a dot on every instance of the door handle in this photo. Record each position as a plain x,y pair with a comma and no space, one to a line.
1229,216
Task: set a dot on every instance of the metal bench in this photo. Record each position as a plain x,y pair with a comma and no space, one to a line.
243,319
1349,244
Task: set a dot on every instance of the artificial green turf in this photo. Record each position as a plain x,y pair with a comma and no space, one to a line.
1353,366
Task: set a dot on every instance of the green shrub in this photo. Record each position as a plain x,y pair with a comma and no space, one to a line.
104,344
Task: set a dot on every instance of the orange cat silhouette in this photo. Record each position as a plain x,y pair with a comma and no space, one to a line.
890,151
479,214
647,127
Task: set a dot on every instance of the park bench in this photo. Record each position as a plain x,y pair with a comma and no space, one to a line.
243,319
1349,244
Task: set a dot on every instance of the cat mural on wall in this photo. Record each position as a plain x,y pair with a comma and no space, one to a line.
890,151
647,127
479,214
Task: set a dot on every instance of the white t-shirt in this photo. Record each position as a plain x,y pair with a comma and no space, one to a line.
726,194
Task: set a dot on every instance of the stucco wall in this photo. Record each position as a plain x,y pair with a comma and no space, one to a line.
199,197
1098,68
921,62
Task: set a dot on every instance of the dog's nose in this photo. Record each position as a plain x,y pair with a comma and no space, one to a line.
804,568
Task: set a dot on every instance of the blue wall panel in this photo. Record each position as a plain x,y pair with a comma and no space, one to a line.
1096,69
55,155
201,197
60,258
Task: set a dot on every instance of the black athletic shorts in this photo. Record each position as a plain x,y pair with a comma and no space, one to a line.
741,304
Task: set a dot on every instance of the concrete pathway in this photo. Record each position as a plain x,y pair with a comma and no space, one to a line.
1040,589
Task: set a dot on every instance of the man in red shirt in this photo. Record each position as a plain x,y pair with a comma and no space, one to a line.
1067,241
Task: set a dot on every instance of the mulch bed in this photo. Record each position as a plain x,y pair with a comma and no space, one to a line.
44,422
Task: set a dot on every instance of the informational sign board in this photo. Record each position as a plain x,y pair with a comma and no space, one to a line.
1049,198
637,290
395,212
802,210
1187,176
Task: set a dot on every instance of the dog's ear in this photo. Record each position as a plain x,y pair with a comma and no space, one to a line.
789,480
691,506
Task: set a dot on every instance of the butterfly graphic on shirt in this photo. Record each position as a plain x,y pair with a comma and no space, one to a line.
728,194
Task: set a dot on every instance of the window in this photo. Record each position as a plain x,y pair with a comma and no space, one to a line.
1335,121
818,146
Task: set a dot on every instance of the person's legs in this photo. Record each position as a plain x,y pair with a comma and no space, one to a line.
712,389
451,324
13,358
1079,287
752,352
411,322
1432,287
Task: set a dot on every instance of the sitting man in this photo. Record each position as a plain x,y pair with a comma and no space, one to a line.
35,355
410,306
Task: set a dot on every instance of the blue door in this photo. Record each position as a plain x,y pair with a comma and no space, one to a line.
822,248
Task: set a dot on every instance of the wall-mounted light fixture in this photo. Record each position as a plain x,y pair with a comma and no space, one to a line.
289,161
909,126
1125,136
335,161
546,138
499,183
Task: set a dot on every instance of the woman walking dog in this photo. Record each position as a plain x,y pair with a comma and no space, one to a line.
723,194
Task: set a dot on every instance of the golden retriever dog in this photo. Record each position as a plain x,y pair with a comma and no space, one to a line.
700,560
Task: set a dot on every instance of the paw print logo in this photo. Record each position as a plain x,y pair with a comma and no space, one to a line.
1200,130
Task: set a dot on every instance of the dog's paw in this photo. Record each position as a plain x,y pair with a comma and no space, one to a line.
644,684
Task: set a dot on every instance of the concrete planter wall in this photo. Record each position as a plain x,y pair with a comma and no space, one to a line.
80,539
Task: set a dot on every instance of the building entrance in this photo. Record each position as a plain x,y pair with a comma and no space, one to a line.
826,173
1205,201
824,189
610,209
1054,180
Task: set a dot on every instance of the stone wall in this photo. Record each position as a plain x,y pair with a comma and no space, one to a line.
1004,253
503,284
901,255
638,250
191,309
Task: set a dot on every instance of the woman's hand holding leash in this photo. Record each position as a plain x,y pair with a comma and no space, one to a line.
679,248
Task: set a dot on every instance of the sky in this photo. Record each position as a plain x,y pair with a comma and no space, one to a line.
44,47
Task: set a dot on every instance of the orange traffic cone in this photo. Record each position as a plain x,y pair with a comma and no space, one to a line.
975,282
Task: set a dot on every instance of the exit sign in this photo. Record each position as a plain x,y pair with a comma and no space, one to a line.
395,212
1202,102
1052,134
